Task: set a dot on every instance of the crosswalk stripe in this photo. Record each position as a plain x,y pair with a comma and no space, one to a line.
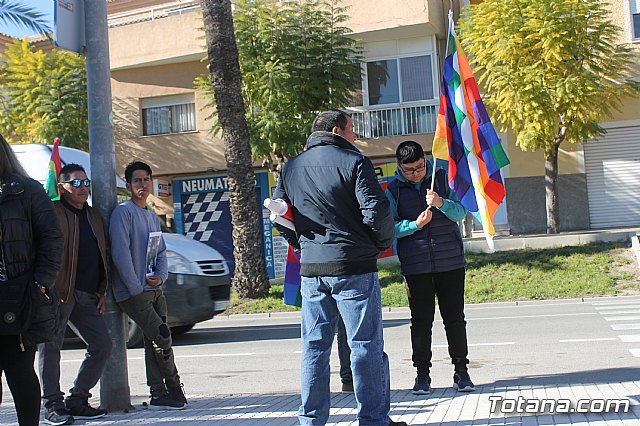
630,338
603,339
635,352
615,302
625,326
629,311
613,307
623,318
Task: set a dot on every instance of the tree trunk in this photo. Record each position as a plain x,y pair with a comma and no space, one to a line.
551,188
250,278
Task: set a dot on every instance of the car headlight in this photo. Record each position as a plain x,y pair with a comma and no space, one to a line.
180,265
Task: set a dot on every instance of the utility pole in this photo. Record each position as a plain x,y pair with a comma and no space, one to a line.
114,383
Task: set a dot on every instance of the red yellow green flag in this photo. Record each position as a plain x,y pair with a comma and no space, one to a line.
51,185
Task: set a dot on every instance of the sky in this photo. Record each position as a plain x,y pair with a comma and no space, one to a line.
43,6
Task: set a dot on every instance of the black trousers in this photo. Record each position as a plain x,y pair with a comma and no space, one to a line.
21,378
449,288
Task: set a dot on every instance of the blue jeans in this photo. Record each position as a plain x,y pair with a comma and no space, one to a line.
357,299
344,354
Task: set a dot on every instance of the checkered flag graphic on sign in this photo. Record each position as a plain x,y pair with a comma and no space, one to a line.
201,212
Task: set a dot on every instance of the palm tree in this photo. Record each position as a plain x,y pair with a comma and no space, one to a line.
23,16
250,278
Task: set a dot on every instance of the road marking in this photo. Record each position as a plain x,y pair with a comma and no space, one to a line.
532,316
630,338
446,346
635,352
614,307
634,311
603,339
623,318
480,344
133,358
625,326
615,302
214,355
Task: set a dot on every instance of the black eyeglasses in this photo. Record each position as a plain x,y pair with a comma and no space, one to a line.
77,183
411,172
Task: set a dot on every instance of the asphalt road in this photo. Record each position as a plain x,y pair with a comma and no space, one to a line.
567,341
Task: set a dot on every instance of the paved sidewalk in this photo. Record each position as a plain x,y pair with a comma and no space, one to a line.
442,407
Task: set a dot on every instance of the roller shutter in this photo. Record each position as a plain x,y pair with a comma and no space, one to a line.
612,166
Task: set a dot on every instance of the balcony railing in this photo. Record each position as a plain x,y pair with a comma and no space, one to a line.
153,13
397,121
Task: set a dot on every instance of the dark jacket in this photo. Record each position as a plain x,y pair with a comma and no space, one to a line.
342,216
437,247
31,243
68,220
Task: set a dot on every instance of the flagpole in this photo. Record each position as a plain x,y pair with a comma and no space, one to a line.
446,50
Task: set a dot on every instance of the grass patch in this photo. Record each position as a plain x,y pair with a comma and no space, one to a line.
272,303
552,273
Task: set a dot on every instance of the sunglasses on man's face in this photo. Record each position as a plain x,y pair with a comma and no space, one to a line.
77,183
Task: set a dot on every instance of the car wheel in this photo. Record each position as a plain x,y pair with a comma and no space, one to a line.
134,334
181,329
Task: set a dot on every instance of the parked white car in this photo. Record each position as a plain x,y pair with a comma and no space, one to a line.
199,283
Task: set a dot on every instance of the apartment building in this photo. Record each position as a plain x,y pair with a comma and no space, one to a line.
157,50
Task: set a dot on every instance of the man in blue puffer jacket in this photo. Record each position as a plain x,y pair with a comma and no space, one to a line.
343,222
431,259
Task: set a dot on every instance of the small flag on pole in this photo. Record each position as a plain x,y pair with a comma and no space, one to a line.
51,185
292,279
467,139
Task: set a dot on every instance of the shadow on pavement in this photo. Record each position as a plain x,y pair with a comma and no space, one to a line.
572,378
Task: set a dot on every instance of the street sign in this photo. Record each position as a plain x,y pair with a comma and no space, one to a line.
68,25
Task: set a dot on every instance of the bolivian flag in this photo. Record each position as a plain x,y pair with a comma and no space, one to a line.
51,186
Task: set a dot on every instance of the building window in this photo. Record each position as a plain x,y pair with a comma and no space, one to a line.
398,80
635,19
168,114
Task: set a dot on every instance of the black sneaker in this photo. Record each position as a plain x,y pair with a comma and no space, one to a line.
85,411
165,402
422,385
398,423
177,393
462,382
58,416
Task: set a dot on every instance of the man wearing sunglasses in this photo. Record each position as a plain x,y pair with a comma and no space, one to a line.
431,259
81,285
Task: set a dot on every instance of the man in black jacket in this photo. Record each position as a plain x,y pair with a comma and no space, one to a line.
81,285
343,221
